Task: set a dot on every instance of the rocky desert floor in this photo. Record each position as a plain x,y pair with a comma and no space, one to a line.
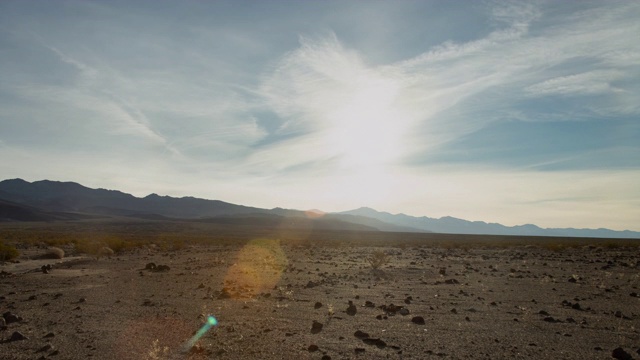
276,301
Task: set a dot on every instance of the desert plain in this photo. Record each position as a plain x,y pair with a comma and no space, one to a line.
305,294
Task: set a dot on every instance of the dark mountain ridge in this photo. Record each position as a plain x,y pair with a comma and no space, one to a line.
48,200
452,225
53,200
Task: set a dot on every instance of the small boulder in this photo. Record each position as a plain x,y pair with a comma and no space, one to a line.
620,354
316,327
351,310
16,336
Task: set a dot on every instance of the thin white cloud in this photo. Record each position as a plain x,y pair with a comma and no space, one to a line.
588,83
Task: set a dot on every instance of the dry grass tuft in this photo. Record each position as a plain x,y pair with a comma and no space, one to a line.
377,259
54,253
104,251
7,252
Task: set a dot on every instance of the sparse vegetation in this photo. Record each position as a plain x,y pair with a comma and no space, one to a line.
7,252
104,251
54,253
377,259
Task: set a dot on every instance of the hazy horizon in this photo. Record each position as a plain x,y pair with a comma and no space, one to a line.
498,111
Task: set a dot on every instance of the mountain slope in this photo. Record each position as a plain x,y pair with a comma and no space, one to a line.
73,197
451,225
49,200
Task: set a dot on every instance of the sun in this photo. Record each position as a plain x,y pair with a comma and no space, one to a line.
367,134
367,128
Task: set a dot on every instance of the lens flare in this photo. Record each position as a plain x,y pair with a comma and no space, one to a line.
211,322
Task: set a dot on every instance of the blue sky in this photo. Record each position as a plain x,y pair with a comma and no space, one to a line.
500,111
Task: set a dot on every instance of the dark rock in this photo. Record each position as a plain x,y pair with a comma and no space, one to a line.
150,266
620,354
369,304
317,305
50,335
46,348
418,320
351,310
361,334
325,357
576,306
316,327
404,312
359,350
375,342
10,317
313,348
16,336
451,281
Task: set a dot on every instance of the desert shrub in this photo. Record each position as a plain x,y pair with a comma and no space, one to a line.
104,251
54,253
7,252
377,259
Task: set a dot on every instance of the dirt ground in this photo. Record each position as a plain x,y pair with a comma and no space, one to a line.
274,301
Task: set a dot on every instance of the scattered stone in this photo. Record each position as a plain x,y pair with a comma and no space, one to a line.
46,348
351,310
16,336
317,305
50,335
451,281
10,317
620,354
150,266
418,320
369,304
361,334
325,357
162,268
313,348
375,342
359,350
404,311
316,327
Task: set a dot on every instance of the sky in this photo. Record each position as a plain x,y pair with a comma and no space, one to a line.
498,111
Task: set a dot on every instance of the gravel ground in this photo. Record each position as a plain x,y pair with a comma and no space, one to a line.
320,302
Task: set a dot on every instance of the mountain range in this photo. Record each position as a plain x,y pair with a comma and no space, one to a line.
67,201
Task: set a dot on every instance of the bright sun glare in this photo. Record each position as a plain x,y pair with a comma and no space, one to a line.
366,132
367,127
